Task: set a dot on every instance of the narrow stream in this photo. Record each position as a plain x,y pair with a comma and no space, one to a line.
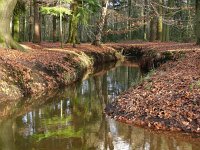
73,119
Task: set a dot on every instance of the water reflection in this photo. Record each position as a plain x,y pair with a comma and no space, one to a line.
74,119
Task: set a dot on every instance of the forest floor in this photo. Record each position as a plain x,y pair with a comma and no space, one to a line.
168,98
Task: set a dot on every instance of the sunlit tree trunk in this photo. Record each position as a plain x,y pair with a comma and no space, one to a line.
100,26
61,27
36,37
160,24
197,21
6,13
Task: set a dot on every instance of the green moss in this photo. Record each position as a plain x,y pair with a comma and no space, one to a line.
1,40
68,132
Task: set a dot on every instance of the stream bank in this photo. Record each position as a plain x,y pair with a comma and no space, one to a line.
168,98
44,68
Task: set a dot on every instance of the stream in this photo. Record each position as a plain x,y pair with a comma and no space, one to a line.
73,118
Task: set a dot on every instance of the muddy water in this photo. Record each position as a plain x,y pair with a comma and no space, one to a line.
73,119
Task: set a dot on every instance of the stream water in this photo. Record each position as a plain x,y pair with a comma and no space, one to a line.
73,119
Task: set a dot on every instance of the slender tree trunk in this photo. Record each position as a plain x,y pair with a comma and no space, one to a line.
36,37
54,29
145,22
129,22
16,27
61,28
30,22
70,29
190,19
170,3
22,25
80,30
164,32
167,38
105,28
6,13
100,26
160,24
197,22
43,28
164,25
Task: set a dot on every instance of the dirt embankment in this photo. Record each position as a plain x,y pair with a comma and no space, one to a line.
168,99
46,66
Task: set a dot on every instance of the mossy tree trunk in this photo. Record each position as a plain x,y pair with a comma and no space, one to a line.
73,24
197,21
6,14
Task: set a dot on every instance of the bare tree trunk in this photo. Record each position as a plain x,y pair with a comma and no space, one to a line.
22,25
100,26
36,37
129,22
6,13
153,29
145,21
43,27
30,22
170,3
197,22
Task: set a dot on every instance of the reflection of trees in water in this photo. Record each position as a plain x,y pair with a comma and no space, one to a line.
7,137
74,119
144,139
